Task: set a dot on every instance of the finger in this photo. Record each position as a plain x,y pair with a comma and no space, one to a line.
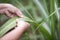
19,13
18,21
22,23
11,10
2,11
9,14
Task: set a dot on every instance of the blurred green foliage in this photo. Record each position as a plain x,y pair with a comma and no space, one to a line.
45,15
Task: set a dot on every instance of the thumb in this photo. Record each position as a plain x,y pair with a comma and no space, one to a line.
21,23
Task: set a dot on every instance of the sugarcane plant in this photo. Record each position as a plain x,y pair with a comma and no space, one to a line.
43,15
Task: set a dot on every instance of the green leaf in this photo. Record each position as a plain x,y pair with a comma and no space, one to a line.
11,24
7,26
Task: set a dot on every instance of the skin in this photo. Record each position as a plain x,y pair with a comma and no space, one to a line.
17,32
11,11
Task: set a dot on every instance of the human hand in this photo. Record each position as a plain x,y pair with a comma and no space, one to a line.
22,24
10,10
16,33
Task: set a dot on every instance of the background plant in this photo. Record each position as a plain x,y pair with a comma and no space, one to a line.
43,15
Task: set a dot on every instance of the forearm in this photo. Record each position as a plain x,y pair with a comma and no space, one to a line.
14,34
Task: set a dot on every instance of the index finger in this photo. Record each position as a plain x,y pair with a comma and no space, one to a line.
19,13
